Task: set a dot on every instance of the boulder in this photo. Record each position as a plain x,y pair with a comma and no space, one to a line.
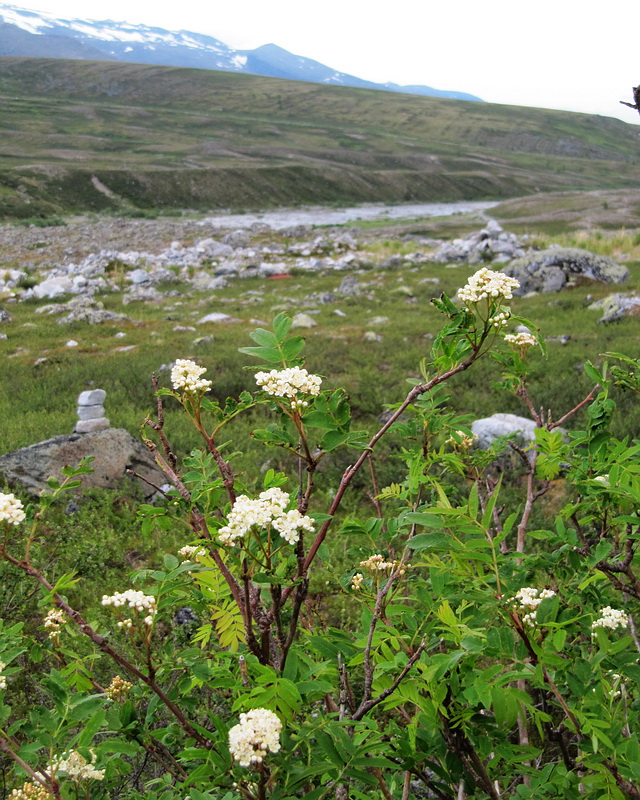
213,249
490,428
217,316
549,270
114,450
303,321
53,287
616,306
138,276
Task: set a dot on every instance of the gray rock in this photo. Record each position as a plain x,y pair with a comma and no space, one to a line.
320,298
489,428
267,270
90,412
303,321
92,397
236,238
203,282
372,336
493,228
533,270
5,316
553,279
139,276
217,316
115,451
214,249
53,287
349,286
141,293
91,425
616,306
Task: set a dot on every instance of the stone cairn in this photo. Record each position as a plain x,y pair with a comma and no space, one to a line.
91,412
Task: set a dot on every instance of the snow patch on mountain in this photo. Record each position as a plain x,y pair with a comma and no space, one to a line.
152,45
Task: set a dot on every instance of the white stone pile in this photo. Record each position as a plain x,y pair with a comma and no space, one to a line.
91,412
213,261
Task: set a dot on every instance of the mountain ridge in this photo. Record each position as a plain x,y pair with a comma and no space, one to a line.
25,32
162,137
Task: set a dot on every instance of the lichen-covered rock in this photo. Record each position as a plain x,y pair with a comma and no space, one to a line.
544,271
616,306
114,450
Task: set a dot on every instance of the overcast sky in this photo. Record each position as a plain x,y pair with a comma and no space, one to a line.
566,54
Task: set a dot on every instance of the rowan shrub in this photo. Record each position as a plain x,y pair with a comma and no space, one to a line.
465,644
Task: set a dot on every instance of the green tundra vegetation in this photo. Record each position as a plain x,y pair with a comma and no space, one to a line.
467,632
81,136
342,596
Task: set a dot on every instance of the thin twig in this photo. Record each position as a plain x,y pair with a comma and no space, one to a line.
366,707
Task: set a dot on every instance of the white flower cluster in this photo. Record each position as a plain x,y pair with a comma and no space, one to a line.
500,320
257,733
77,767
3,678
11,509
610,618
521,341
529,599
30,791
268,509
291,523
290,384
54,621
190,552
136,600
186,374
356,581
487,284
465,443
377,563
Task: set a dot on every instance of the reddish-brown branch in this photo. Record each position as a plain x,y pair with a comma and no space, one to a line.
49,783
103,645
352,471
569,414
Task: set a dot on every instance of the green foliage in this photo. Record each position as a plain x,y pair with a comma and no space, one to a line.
490,640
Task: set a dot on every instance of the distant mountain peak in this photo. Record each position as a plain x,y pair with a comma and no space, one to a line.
26,32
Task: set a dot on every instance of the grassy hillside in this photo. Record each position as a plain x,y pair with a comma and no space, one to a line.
83,136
